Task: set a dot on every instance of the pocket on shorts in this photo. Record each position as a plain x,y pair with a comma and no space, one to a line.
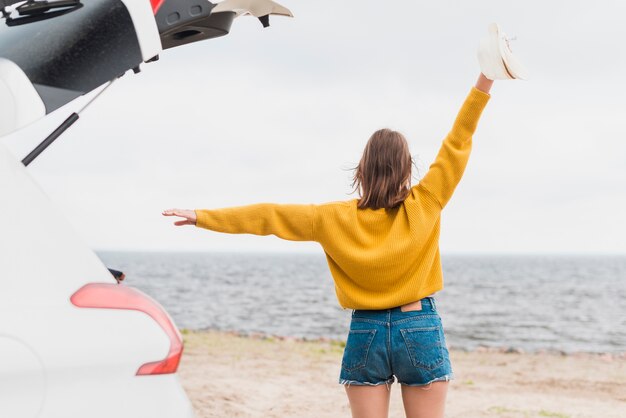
424,346
357,348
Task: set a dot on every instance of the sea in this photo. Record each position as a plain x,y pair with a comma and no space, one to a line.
563,303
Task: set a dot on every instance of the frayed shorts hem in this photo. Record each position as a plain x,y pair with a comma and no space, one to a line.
445,378
357,383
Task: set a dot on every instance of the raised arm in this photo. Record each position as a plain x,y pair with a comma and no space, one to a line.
286,221
446,172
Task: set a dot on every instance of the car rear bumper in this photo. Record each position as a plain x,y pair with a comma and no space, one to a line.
155,396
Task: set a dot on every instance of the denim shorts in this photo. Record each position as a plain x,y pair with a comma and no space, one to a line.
385,343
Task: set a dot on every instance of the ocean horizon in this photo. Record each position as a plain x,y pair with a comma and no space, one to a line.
555,302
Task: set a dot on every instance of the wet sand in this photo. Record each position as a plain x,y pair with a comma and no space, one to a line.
229,375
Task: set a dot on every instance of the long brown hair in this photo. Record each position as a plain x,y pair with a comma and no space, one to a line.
383,176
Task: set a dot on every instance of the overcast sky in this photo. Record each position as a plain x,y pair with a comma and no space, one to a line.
281,114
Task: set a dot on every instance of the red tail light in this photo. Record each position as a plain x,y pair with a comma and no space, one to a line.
115,296
156,5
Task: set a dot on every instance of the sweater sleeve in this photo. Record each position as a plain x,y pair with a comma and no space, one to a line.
445,173
290,222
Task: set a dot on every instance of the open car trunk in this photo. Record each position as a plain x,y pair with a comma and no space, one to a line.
66,52
53,52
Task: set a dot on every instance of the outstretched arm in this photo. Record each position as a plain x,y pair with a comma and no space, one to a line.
290,222
446,172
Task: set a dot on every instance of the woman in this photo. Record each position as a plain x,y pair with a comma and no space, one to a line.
383,253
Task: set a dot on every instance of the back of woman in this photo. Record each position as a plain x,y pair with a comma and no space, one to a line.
383,253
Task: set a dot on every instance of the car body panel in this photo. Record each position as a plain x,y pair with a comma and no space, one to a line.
22,379
89,357
19,100
58,359
38,244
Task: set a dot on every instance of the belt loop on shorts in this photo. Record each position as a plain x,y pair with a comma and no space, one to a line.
432,303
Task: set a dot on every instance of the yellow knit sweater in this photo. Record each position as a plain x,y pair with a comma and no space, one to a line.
379,258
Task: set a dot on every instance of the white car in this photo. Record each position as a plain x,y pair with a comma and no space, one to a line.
74,342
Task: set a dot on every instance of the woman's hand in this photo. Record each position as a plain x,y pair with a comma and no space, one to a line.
189,215
483,83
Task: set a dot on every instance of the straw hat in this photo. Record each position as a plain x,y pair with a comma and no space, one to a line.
496,59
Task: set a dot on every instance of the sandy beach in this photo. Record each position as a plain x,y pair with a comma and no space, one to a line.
231,375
